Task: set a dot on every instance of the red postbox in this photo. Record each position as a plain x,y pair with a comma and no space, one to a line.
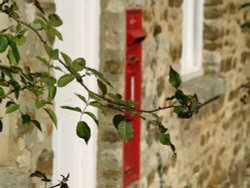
134,37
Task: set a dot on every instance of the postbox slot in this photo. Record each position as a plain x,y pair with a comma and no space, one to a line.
138,40
135,36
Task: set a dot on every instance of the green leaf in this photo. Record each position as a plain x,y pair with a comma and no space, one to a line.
114,96
179,109
26,119
46,78
37,124
174,78
55,20
66,59
245,25
40,22
11,57
81,97
64,80
40,103
76,109
131,103
185,115
3,43
83,131
43,60
162,128
126,130
11,108
56,33
93,96
181,97
40,15
53,53
245,5
164,138
96,104
52,115
79,64
1,125
117,98
170,98
194,106
48,50
20,40
52,93
117,119
57,68
102,87
90,114
1,92
99,75
15,51
18,27
179,94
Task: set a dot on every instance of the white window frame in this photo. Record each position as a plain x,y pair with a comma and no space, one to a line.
81,39
192,37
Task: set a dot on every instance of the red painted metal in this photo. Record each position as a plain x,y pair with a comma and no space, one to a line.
131,149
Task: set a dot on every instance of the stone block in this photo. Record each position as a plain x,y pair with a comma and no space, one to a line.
147,15
206,87
213,13
114,6
212,57
10,177
45,162
231,8
211,32
175,3
201,139
212,46
213,2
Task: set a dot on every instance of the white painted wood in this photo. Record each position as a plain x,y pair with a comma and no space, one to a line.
81,39
192,37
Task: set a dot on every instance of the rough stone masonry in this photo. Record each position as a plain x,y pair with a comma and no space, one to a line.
213,148
25,150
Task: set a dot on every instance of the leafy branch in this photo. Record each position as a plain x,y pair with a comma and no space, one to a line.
43,85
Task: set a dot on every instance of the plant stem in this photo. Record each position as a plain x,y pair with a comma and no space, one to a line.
30,27
79,79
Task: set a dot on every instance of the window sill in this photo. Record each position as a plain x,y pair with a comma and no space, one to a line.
207,87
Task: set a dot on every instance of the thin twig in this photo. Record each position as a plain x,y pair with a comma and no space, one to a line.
79,79
7,94
6,29
30,27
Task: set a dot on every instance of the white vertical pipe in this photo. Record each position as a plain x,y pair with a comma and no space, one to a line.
81,39
192,37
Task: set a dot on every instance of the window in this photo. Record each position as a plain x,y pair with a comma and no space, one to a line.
192,37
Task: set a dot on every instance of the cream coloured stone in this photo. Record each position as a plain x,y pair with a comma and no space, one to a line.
30,12
21,143
23,160
115,6
218,148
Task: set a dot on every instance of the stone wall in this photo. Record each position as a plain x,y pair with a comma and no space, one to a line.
24,149
212,147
